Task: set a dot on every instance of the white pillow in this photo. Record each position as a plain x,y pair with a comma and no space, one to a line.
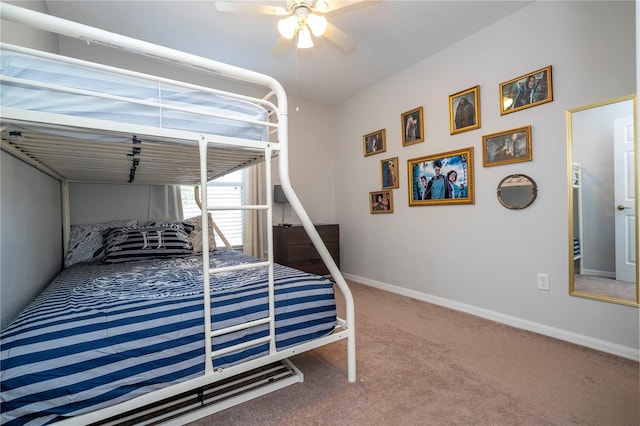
196,234
86,242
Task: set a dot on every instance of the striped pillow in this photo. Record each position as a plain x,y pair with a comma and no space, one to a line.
148,242
86,242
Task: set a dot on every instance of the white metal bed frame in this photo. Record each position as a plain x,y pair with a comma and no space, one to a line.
204,143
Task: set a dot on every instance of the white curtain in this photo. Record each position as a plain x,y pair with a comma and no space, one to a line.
165,203
255,221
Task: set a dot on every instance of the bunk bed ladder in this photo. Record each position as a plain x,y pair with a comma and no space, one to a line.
270,319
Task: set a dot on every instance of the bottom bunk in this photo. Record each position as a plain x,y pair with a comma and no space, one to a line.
101,334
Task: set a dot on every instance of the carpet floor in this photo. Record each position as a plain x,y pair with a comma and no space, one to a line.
421,364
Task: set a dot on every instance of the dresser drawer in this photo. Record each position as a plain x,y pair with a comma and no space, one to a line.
298,235
293,247
307,251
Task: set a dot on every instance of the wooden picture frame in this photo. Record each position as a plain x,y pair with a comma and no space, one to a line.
464,110
509,146
445,178
389,173
526,91
412,124
381,202
375,142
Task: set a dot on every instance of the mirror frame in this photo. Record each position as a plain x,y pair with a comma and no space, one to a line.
569,114
534,192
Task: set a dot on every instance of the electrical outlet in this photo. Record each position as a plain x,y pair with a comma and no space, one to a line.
543,281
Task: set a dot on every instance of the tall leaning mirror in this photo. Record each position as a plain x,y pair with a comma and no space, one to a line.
602,180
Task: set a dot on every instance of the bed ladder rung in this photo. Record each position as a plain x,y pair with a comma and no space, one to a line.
241,267
240,346
239,327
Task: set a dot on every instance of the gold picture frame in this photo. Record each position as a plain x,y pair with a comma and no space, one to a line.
389,173
526,91
464,110
444,178
381,202
375,142
509,146
412,124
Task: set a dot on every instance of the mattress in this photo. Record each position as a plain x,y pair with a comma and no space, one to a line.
55,86
101,334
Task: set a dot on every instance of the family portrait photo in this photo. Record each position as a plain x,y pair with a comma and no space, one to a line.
445,178
526,91
464,110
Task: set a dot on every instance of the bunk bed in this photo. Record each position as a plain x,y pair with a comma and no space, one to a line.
193,333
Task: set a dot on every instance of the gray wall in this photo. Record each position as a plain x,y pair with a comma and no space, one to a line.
31,234
483,258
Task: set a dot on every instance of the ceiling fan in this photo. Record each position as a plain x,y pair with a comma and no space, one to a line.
301,18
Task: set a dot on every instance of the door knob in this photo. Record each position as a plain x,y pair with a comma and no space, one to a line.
621,207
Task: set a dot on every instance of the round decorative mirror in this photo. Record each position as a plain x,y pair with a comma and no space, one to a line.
517,191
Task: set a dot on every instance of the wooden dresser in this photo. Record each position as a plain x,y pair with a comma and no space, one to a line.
293,247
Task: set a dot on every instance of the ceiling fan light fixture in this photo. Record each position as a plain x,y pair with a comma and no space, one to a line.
304,38
288,27
317,23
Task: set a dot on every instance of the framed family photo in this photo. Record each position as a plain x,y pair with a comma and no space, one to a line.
389,173
464,110
526,91
381,202
445,178
412,127
375,142
510,146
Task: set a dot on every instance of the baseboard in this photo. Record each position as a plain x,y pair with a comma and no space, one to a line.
557,333
598,273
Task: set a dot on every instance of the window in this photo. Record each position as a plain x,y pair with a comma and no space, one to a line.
227,190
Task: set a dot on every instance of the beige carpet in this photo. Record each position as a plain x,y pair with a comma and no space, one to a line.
607,287
421,364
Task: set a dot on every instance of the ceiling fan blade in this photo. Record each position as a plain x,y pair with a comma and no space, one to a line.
340,38
246,7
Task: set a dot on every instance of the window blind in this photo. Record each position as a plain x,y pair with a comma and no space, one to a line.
227,190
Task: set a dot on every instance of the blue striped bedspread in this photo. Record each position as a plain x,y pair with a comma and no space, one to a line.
102,334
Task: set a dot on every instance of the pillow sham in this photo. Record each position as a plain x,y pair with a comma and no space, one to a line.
86,242
196,234
147,242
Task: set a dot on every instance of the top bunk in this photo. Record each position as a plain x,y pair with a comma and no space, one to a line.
85,122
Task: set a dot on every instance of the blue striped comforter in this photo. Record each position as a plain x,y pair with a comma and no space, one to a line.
101,334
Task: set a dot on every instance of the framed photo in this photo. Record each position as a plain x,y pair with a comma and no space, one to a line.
412,127
526,91
464,110
510,146
445,178
375,143
381,202
389,173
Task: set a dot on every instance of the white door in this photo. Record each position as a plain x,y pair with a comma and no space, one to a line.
625,213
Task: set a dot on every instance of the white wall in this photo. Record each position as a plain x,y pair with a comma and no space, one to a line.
483,258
